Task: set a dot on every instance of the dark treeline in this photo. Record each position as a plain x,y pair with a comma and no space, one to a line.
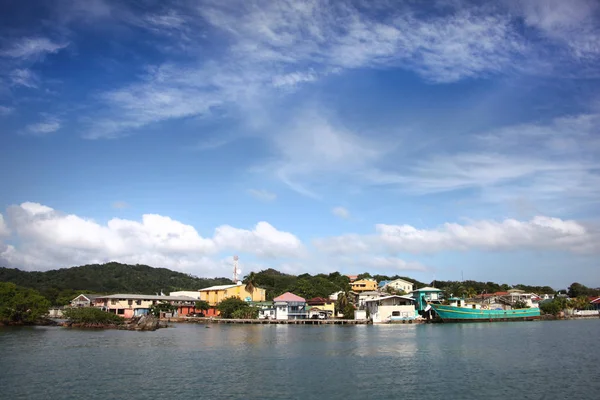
62,285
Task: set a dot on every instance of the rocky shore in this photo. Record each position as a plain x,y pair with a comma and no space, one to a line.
143,323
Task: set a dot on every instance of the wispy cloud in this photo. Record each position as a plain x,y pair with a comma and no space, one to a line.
32,48
120,205
25,77
341,212
49,125
538,233
262,194
6,110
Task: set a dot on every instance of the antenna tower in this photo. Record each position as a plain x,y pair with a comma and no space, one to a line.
236,270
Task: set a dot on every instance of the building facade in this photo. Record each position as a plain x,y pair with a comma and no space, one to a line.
391,308
400,284
215,294
364,285
133,305
289,306
84,300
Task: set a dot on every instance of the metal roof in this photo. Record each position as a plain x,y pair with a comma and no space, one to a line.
289,297
147,297
218,287
427,289
390,297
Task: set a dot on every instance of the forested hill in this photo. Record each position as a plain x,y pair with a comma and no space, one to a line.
106,278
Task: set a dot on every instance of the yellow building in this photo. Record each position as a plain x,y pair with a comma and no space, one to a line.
364,285
216,294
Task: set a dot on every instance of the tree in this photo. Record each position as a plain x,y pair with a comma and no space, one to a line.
229,306
202,305
250,281
91,315
20,305
162,307
580,303
520,304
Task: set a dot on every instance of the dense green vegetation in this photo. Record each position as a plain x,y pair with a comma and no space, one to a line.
578,290
558,304
19,305
474,288
237,308
62,285
305,285
91,315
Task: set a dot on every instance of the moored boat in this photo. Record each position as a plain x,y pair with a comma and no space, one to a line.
448,313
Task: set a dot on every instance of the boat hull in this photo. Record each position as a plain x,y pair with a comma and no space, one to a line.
460,314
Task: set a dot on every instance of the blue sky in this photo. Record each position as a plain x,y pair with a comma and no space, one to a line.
392,137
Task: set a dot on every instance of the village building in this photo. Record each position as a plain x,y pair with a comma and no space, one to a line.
194,294
289,306
319,307
133,305
84,300
391,308
399,285
215,294
364,285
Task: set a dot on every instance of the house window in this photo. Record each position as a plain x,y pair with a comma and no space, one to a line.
395,313
138,302
121,311
113,302
130,302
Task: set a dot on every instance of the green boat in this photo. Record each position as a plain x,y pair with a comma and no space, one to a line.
464,314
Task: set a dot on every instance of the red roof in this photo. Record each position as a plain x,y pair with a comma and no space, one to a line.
289,297
596,300
318,301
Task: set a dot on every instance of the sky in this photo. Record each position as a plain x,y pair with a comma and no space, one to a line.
439,140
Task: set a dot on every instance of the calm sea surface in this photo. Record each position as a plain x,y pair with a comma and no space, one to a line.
521,360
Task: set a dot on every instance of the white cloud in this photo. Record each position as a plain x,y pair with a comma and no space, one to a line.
32,47
341,212
120,204
4,231
6,110
539,233
48,238
25,77
572,23
49,125
262,194
263,241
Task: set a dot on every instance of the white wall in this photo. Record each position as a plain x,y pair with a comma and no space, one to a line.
281,312
194,294
381,314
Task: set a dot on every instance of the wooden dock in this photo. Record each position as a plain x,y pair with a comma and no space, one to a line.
274,321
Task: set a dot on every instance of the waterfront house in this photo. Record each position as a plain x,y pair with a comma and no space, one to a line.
215,294
363,296
84,300
391,308
320,306
400,284
595,303
424,295
289,306
131,305
364,285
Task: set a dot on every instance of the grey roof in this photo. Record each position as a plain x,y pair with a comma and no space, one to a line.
90,297
147,297
390,297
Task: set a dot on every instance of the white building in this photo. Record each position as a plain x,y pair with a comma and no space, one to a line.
289,306
400,284
364,296
391,308
193,294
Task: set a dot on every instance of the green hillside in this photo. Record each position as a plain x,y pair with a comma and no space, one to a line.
61,284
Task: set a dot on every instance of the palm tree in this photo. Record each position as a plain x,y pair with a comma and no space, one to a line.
342,301
250,281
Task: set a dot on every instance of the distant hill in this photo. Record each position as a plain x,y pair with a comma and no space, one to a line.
106,278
